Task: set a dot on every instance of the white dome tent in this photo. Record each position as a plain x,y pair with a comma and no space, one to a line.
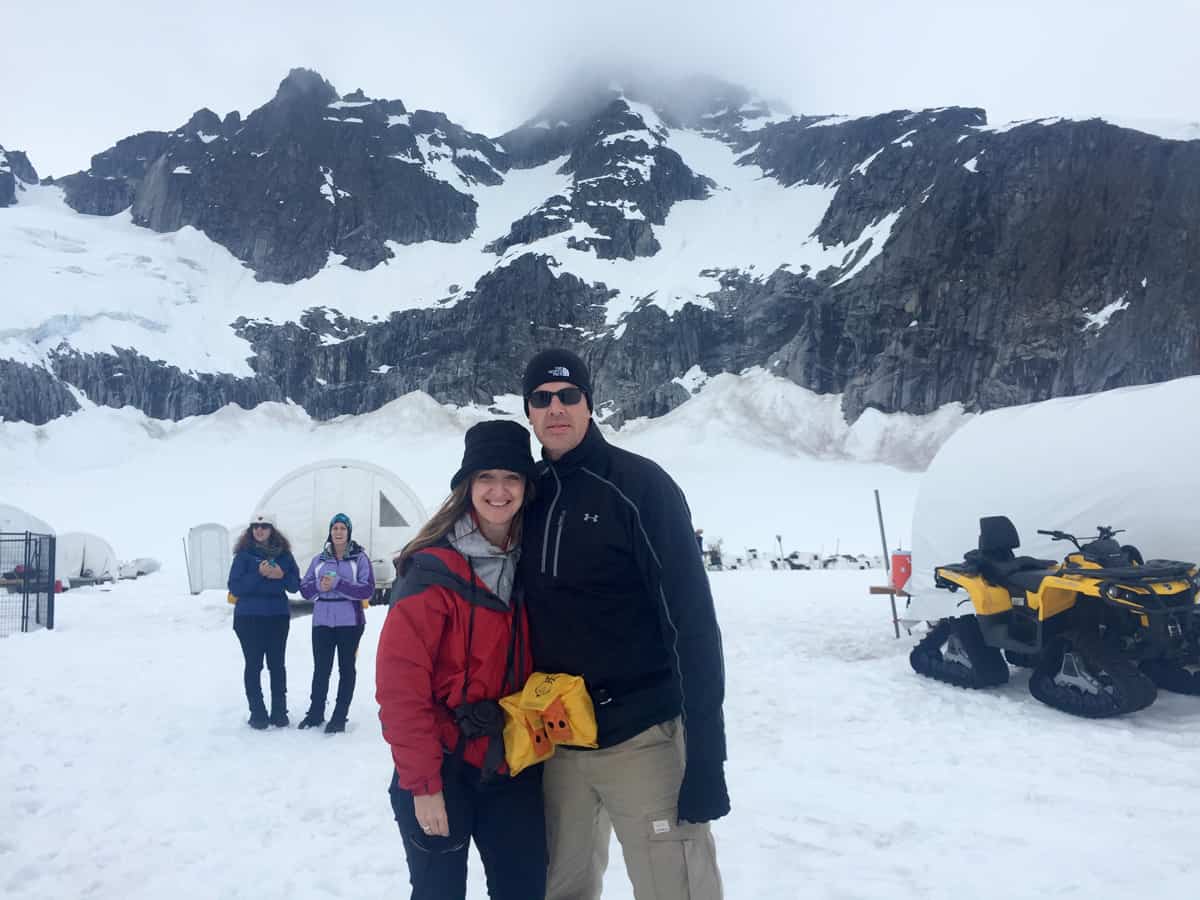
385,511
14,520
1122,458
209,555
81,556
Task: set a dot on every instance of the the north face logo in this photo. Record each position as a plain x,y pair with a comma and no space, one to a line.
560,372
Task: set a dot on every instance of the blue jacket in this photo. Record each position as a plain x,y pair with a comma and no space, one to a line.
259,596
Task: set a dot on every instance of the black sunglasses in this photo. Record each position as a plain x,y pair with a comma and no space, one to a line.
262,525
568,396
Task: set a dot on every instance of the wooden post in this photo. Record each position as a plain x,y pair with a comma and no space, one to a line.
887,566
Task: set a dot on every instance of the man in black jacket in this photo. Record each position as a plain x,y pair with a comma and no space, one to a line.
617,593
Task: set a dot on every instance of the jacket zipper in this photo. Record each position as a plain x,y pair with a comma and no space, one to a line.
550,518
558,539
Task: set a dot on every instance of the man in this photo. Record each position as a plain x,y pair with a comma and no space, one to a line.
617,593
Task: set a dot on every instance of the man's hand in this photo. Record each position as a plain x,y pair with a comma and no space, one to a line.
703,795
431,814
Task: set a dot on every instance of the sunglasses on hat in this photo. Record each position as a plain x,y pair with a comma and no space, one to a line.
568,396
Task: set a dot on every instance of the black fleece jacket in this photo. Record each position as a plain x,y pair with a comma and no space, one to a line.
616,592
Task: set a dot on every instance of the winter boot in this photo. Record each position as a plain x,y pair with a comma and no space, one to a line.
258,714
312,718
336,725
279,716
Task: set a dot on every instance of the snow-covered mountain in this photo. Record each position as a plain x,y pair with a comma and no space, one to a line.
339,251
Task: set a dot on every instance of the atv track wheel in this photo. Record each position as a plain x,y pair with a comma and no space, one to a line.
1079,675
954,652
1177,676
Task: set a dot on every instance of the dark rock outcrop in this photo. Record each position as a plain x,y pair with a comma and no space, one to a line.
304,176
332,365
625,180
15,169
32,394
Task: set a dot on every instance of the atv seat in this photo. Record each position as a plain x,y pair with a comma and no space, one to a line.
996,561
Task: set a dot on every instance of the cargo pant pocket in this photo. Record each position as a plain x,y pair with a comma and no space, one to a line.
683,859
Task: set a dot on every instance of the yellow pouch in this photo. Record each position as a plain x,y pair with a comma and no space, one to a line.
230,599
564,706
525,740
549,710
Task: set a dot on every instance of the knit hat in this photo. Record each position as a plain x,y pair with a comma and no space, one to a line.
501,444
345,520
556,364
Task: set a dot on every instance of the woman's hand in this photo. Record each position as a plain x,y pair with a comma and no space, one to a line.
431,813
270,570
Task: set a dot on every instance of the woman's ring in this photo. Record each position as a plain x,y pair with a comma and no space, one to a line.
427,828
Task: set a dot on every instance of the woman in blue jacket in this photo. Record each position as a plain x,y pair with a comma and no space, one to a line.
263,571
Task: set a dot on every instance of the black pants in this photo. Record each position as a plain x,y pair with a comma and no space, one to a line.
506,820
263,637
325,641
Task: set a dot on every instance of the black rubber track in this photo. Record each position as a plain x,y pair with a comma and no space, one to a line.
983,667
1174,675
1124,688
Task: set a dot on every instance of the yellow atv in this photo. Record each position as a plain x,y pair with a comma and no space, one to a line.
1102,630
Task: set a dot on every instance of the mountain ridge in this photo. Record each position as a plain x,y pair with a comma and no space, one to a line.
904,260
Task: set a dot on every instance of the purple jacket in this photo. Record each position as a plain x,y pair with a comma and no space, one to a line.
341,606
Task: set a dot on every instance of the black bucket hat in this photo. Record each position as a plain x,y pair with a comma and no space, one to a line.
501,444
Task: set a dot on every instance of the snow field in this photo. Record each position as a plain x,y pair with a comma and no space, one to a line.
126,769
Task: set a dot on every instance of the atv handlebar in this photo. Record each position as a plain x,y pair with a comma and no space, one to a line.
1104,532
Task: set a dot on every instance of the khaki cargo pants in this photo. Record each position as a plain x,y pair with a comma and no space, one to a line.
632,788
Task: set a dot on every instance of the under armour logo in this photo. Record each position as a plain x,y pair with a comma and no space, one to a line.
560,372
591,517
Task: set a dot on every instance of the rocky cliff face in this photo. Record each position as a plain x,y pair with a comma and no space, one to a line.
307,175
989,266
15,168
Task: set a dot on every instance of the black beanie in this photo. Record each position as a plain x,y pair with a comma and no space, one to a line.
502,444
556,365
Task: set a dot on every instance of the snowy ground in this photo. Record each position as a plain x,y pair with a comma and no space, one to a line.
126,769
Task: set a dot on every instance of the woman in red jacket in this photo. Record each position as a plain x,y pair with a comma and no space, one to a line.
455,641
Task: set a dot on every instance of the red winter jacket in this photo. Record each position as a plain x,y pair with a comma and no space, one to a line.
421,662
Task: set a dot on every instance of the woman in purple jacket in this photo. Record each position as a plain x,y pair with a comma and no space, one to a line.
339,578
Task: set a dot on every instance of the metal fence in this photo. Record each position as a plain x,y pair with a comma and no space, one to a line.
26,582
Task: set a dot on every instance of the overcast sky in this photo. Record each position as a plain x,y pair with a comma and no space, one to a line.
78,77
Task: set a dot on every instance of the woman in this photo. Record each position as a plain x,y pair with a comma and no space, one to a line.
262,573
339,578
455,641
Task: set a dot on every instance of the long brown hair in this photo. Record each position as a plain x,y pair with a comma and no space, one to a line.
277,543
452,509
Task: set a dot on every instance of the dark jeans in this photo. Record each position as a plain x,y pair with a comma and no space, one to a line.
263,637
504,817
325,641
